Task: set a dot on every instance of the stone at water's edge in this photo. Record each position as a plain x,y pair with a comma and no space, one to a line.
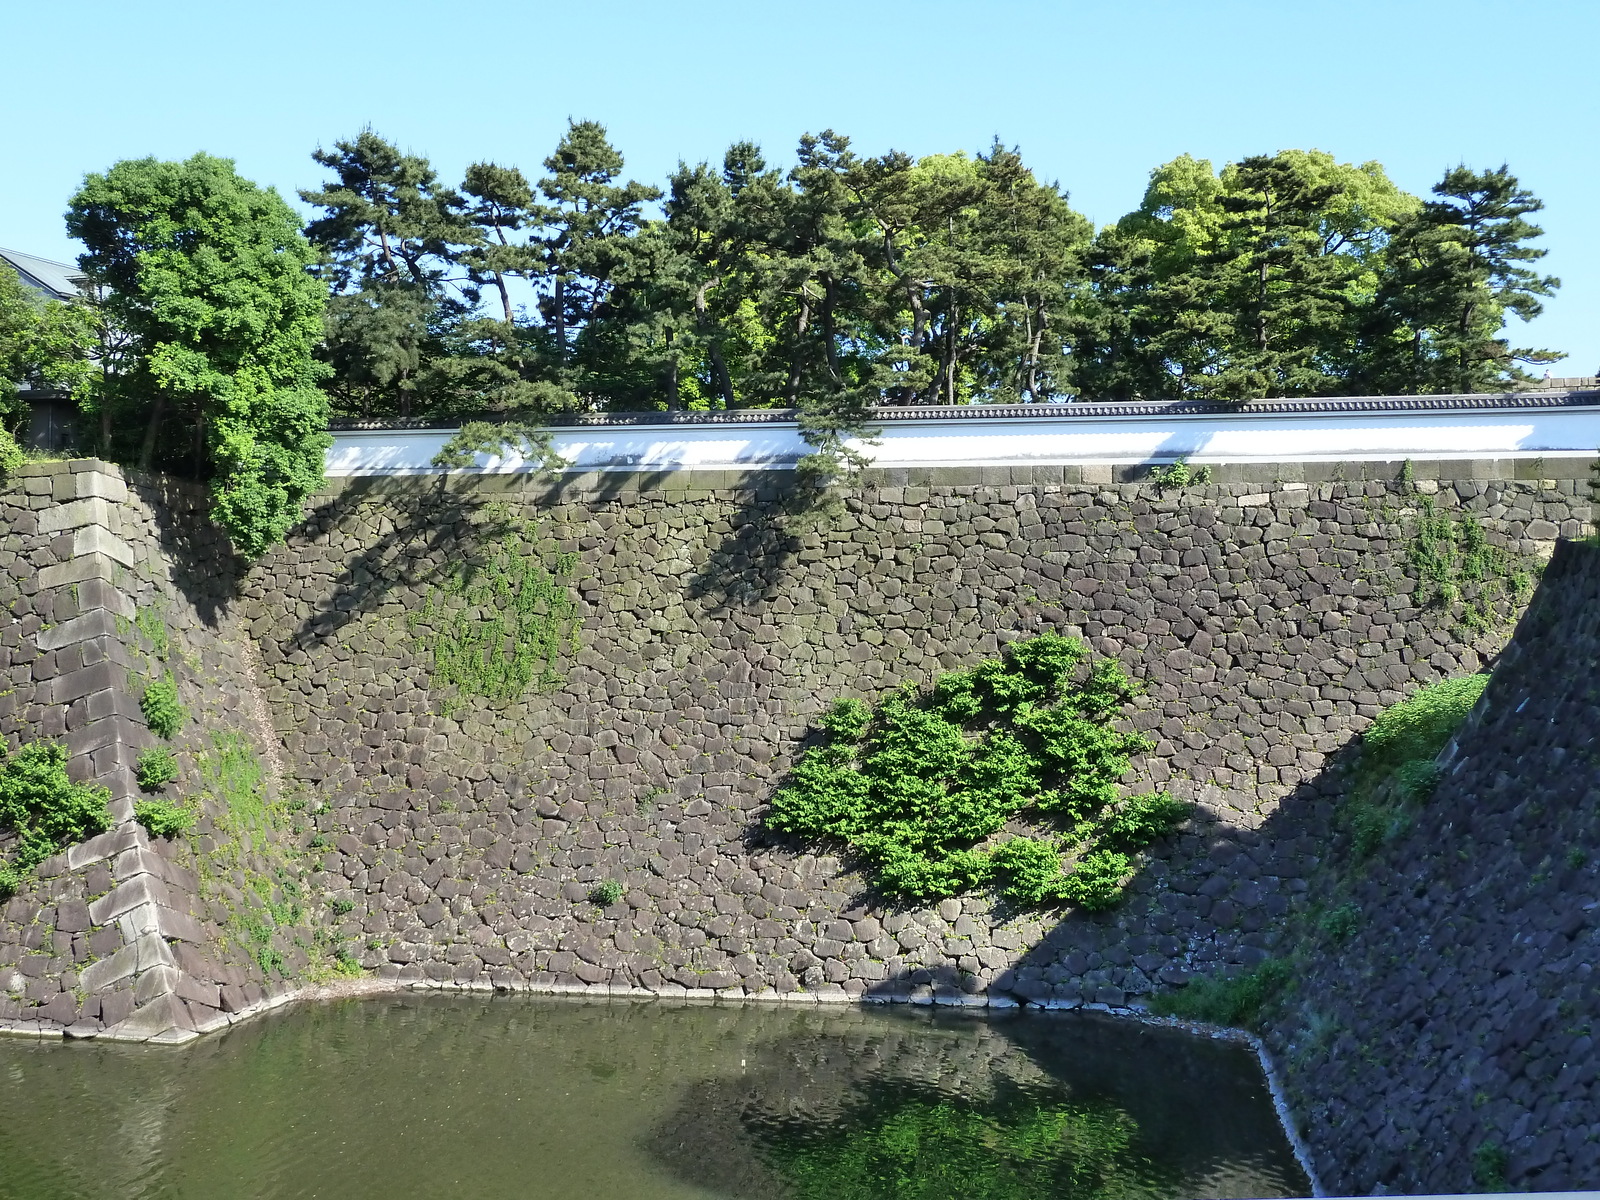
1271,620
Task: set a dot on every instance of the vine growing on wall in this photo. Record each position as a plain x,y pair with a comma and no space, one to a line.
499,621
1460,571
920,787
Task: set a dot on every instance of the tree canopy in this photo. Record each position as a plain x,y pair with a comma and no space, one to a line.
849,281
205,275
217,336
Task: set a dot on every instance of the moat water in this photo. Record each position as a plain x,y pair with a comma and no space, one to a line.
426,1095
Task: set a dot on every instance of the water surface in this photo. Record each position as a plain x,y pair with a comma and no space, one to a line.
426,1095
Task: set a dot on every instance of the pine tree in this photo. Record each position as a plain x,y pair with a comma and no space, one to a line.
1455,270
586,225
391,236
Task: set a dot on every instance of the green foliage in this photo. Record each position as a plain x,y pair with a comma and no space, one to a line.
605,893
916,786
10,881
44,808
1458,569
1454,273
910,1141
500,439
254,928
11,455
164,818
155,768
501,620
204,276
233,775
1341,922
1178,474
1419,728
44,343
1396,768
1294,274
149,622
341,906
1236,1000
247,827
161,709
1489,1163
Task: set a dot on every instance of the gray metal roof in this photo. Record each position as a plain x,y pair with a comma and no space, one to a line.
59,281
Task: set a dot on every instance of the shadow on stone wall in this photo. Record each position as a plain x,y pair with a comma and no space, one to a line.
749,563
199,560
393,557
1215,896
1440,1037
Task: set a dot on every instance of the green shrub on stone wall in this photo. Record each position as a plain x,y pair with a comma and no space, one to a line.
44,808
160,706
1236,1000
155,768
1396,768
163,818
501,619
1419,728
11,455
918,786
1459,570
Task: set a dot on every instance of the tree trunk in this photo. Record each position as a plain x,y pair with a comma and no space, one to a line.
949,368
719,371
829,340
791,390
147,450
560,307
505,296
719,368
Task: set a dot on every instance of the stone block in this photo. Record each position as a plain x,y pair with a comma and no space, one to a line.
100,593
190,989
92,624
96,539
105,972
97,848
78,569
106,485
76,514
160,1014
97,735
175,924
140,890
78,684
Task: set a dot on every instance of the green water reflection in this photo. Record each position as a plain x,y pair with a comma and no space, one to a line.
422,1095
906,1141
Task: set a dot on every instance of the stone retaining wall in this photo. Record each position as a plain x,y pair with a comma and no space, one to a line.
106,588
1458,1021
1270,621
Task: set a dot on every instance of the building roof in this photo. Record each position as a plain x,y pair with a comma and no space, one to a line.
1531,398
59,281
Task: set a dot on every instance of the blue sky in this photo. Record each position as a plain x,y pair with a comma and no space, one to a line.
1095,94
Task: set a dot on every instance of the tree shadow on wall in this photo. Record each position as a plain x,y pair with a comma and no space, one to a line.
202,562
436,522
445,518
751,560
